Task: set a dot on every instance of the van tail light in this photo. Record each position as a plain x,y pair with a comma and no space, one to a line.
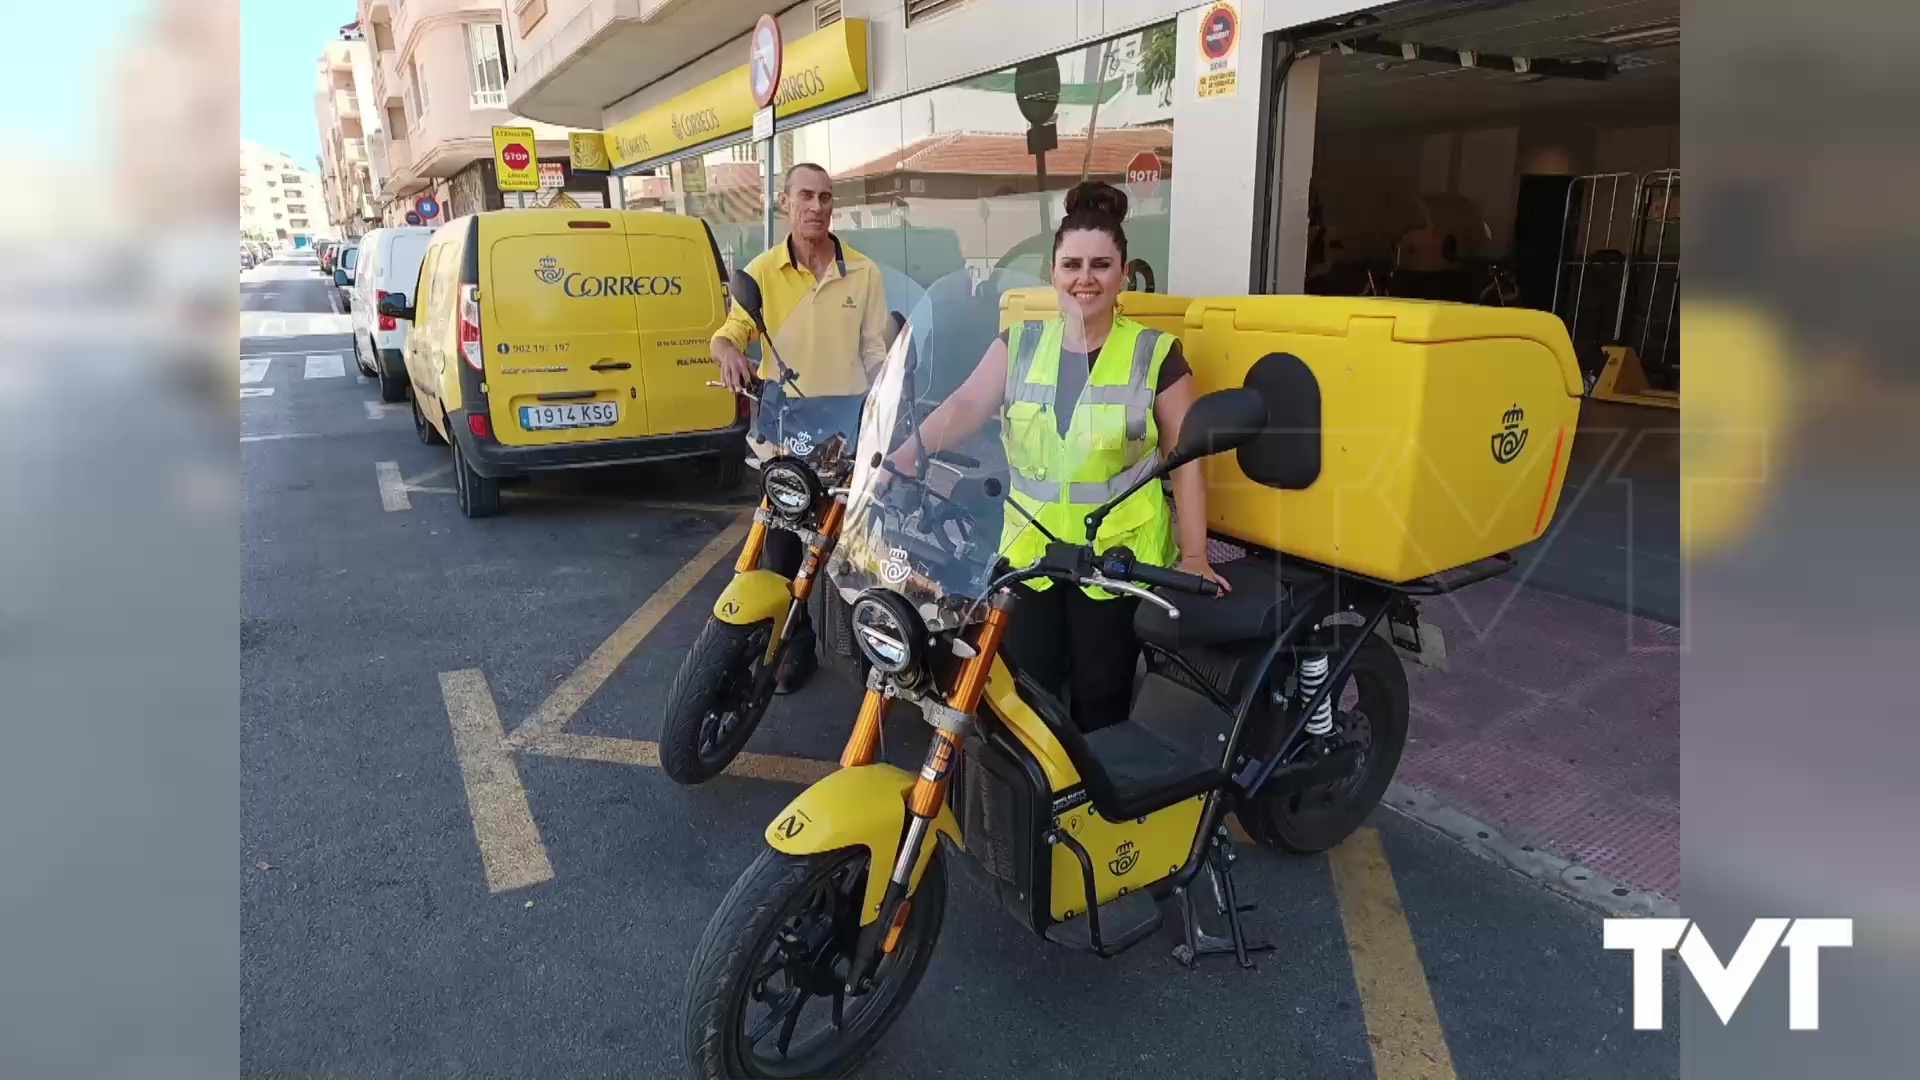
470,326
477,423
387,322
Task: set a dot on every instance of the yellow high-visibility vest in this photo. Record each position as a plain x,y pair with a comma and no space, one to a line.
1111,441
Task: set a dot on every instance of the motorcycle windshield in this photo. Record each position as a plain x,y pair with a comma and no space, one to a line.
816,367
933,526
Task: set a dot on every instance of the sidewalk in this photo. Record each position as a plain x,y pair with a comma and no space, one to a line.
1558,724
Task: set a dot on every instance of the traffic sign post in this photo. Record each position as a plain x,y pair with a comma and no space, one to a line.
516,167
765,54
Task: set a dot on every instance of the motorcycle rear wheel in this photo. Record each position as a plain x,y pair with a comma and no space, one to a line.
776,954
712,709
1372,706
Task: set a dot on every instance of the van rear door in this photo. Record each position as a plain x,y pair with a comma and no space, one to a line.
558,334
677,306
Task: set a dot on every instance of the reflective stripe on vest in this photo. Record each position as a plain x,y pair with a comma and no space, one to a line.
1086,491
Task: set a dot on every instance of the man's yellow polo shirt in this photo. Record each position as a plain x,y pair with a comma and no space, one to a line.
832,331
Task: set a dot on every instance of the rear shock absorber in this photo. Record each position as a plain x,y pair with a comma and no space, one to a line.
1313,675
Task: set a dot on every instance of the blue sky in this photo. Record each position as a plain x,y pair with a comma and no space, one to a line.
279,42
60,75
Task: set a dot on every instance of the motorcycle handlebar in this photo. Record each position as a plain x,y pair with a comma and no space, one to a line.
1178,580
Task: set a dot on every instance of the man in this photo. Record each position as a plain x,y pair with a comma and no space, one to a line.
826,306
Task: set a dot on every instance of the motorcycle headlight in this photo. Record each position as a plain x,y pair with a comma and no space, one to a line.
887,631
789,487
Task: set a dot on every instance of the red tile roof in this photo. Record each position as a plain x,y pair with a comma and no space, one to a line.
973,153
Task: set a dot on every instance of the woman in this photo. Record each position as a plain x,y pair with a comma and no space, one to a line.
1086,400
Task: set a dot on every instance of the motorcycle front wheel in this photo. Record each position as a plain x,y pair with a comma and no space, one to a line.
715,701
766,991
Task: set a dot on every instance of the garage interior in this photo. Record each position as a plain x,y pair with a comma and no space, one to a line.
1521,152
1526,152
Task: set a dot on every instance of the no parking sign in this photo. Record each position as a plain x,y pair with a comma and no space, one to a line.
426,207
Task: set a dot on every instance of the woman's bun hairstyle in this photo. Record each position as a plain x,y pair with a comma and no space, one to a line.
1097,197
1097,206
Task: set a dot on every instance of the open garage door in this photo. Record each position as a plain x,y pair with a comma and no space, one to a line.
1507,152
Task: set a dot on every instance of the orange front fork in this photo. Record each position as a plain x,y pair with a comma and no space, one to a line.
756,539
930,789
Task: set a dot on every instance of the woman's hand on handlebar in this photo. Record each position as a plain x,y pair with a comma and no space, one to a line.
1197,565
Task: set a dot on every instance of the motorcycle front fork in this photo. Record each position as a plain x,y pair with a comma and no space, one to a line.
818,549
928,794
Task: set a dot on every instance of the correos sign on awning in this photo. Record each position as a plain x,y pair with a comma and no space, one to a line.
822,67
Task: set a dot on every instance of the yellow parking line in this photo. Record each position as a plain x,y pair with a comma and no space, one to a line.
586,680
617,751
1403,1030
511,850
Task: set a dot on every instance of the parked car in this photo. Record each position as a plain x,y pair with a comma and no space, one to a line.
344,261
557,339
388,264
247,258
323,251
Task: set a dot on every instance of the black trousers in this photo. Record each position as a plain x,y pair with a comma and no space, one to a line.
1077,647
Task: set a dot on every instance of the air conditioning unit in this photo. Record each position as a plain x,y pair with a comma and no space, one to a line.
918,10
825,13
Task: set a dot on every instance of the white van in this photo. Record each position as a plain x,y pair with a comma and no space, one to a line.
389,262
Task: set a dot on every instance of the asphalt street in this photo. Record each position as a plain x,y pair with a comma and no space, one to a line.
381,937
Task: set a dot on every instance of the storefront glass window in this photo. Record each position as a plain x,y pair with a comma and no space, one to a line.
959,178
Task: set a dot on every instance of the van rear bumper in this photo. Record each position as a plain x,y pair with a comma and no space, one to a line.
490,458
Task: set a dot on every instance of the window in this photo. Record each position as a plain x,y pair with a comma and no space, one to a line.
416,93
277,215
487,65
292,209
271,181
289,178
298,223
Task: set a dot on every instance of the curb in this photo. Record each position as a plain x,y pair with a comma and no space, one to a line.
1569,879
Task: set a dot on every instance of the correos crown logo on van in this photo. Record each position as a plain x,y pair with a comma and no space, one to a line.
551,272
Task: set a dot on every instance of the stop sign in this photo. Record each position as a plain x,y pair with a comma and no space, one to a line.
1143,172
515,156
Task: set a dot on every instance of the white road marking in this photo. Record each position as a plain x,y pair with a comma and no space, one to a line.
253,371
414,481
256,391
393,490
284,435
325,366
377,410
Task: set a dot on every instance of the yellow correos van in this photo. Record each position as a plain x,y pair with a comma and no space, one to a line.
559,339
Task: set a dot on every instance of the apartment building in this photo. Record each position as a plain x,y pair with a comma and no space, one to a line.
439,76
343,85
280,202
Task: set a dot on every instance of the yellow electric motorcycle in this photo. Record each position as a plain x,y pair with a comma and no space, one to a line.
1283,701
802,447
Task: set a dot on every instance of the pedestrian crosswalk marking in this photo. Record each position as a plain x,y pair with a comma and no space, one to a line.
253,371
325,366
256,391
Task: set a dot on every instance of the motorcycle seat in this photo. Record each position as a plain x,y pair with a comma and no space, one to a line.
1131,770
1256,609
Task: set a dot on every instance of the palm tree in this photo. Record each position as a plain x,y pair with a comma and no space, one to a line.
1156,62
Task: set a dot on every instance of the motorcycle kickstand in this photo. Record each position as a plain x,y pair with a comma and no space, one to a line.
1198,942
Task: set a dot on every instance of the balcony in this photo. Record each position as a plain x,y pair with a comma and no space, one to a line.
488,99
585,53
345,105
352,150
376,10
386,83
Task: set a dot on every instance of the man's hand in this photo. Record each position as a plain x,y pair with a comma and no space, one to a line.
735,369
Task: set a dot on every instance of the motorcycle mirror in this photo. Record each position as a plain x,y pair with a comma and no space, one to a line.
746,293
1222,420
